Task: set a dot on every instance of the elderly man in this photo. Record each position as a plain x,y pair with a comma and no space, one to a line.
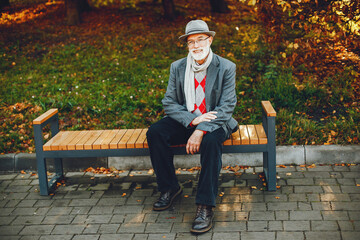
199,103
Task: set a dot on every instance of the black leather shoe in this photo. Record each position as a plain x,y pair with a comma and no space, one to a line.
203,221
166,199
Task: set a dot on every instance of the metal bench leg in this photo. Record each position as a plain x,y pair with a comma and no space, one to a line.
269,160
41,161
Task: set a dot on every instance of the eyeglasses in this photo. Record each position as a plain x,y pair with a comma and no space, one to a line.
200,42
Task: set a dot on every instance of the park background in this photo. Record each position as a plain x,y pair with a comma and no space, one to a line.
110,68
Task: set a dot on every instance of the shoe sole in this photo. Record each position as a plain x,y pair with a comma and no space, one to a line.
202,230
171,201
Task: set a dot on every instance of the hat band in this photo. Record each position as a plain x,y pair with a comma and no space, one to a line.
197,30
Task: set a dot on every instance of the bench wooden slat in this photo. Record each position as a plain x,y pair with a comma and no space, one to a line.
244,135
252,134
142,137
235,137
47,145
268,109
115,141
88,145
261,134
72,144
45,116
98,142
133,138
63,144
105,144
55,145
125,138
80,144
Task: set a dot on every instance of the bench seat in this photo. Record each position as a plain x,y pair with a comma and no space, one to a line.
136,138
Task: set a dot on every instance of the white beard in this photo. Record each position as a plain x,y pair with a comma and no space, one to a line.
202,54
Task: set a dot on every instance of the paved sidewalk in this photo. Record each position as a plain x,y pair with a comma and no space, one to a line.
311,203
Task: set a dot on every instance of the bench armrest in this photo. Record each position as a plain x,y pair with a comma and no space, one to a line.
268,109
45,116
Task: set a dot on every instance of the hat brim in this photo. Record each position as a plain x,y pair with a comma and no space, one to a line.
210,33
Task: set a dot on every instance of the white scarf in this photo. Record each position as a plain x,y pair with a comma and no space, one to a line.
189,84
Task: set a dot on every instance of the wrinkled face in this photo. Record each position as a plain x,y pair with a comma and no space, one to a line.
199,45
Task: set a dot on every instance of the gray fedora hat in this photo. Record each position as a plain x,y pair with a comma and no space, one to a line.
196,27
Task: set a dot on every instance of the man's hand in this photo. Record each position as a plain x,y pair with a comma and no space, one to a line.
193,144
206,117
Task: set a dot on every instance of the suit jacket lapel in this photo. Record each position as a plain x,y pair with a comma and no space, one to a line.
211,77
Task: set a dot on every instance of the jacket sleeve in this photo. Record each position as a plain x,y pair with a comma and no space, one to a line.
174,105
226,104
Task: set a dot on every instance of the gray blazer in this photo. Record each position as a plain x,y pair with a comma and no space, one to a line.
220,95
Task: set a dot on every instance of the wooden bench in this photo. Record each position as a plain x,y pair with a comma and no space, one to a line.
132,142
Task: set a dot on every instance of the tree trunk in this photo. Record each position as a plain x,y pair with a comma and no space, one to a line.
219,6
74,8
4,3
169,9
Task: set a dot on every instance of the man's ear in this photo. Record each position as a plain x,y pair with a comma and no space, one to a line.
211,39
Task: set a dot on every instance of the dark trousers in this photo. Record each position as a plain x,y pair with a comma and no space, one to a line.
166,132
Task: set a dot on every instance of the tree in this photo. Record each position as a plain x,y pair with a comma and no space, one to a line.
169,9
4,3
74,8
219,6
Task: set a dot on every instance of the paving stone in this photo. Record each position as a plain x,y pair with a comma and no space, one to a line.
224,216
43,203
230,226
354,215
68,229
158,227
98,218
317,175
10,230
131,218
26,203
10,237
188,236
346,181
354,174
167,236
305,215
326,181
150,217
296,225
29,237
335,215
320,205
313,197
183,227
128,209
60,202
264,215
290,235
322,235
275,225
64,219
282,206
304,206
324,225
28,220
300,181
167,217
251,198
132,228
251,206
83,202
37,229
258,235
15,195
308,189
56,237
17,189
86,237
128,236
111,201
226,236
257,226
108,228
59,211
331,189
294,197
346,225
354,197
6,211
241,216
80,210
350,235
350,189
351,206
91,228
101,210
282,215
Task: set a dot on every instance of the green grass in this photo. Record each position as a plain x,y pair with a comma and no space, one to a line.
118,80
